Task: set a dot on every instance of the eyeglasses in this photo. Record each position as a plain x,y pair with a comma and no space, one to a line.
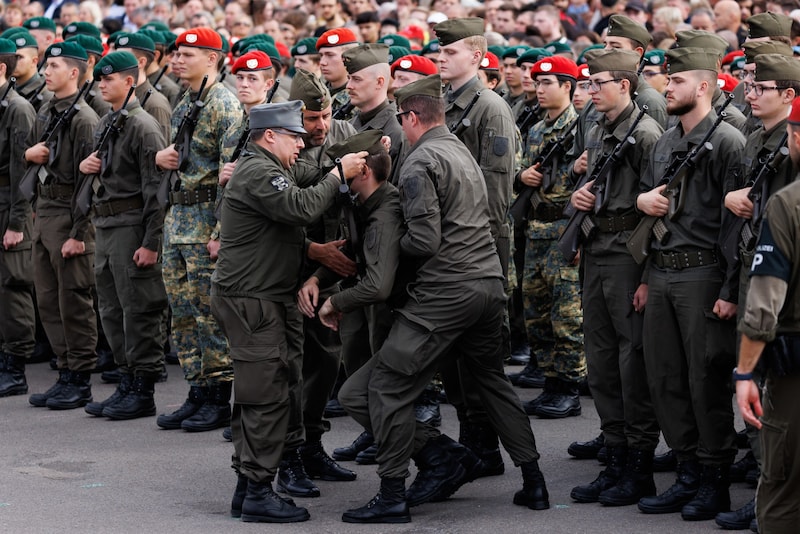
759,89
543,83
399,116
596,86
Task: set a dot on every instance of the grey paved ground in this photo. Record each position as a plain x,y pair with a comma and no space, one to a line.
65,472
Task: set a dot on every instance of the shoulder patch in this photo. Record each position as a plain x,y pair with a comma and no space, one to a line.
769,260
411,186
371,239
280,183
500,146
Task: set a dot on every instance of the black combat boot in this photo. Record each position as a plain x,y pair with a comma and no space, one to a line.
712,497
483,441
439,475
530,376
112,376
262,505
738,471
40,399
12,378
678,495
426,407
738,519
665,462
349,453
474,467
319,465
368,455
241,492
196,398
586,450
124,387
292,476
520,351
333,408
388,506
76,393
566,402
227,434
636,481
550,389
534,490
215,411
137,403
607,478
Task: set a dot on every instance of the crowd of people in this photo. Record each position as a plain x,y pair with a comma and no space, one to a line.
326,208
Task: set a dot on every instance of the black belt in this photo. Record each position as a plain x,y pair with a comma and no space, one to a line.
617,224
56,191
548,212
197,196
5,181
115,207
685,260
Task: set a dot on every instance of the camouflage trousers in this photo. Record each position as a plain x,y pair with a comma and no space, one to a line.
196,336
553,313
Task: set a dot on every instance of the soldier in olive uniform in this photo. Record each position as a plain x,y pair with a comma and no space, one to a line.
191,233
94,51
263,214
688,322
162,82
63,240
305,56
331,45
129,221
16,280
43,30
613,296
512,74
30,84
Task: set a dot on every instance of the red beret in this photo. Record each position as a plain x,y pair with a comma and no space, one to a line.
490,62
413,32
283,50
728,59
418,64
794,115
255,60
583,72
555,65
337,37
727,82
200,38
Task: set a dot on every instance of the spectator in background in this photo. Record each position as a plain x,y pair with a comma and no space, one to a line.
329,15
68,13
12,17
34,9
728,16
667,19
702,19
505,19
241,27
547,21
636,10
89,11
233,13
202,19
369,26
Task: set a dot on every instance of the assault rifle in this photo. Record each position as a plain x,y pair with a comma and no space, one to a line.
161,74
4,99
28,183
245,137
182,142
676,175
581,227
110,132
528,119
463,122
343,111
741,230
548,165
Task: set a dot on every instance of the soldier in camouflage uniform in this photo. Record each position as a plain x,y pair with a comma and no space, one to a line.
330,46
550,286
191,238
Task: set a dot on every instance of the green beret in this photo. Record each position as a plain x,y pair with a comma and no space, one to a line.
514,51
40,23
613,59
582,56
367,141
622,26
738,64
70,49
777,67
452,30
226,45
497,50
396,52
7,46
393,39
683,59
427,86
702,39
157,37
654,58
305,47
80,28
310,89
115,62
263,46
23,39
431,48
242,44
156,25
7,34
557,48
532,55
769,25
755,48
365,55
92,45
137,40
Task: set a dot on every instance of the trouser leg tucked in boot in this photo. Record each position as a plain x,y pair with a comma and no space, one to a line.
123,388
534,490
76,393
195,399
215,411
607,478
40,399
137,403
712,497
636,481
12,377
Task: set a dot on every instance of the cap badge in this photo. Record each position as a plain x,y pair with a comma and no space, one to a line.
547,67
191,38
405,64
34,24
252,63
485,62
55,51
333,39
107,69
123,41
302,49
20,41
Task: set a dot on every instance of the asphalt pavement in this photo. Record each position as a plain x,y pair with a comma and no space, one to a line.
69,472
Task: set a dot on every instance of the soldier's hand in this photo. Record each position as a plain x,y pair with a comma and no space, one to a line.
640,298
749,402
724,310
308,296
11,239
739,204
213,248
227,172
583,199
91,165
653,202
354,164
531,176
72,247
38,153
581,164
144,257
329,316
168,158
330,255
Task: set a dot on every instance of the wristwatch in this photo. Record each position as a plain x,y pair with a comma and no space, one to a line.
737,376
